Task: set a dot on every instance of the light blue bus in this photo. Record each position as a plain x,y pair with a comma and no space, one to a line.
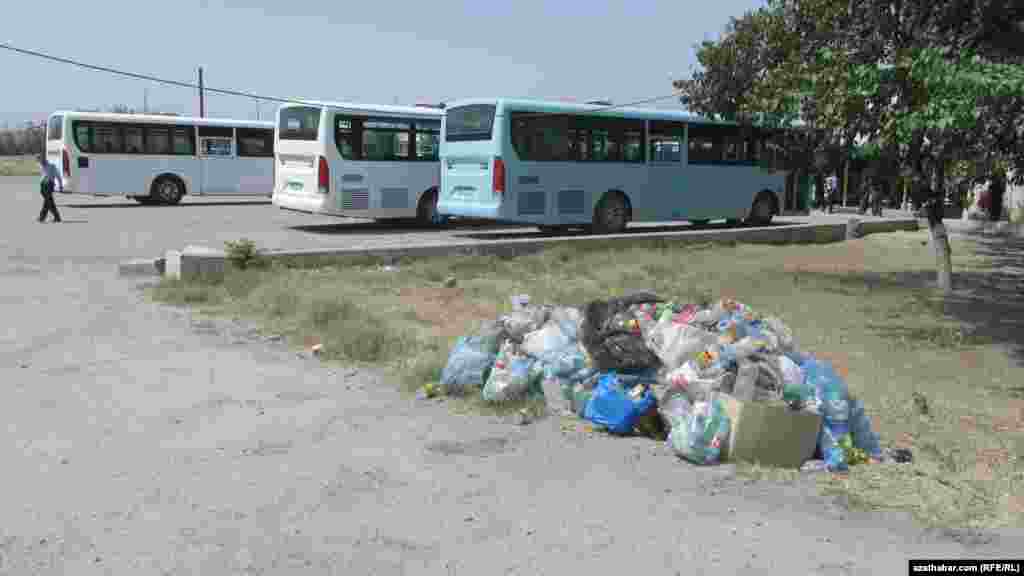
559,165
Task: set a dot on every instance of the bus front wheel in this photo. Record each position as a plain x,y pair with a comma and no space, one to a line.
167,191
611,214
762,211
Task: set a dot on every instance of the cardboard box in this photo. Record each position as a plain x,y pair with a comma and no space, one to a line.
770,434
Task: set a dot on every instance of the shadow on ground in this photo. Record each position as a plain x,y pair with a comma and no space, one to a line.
378,226
182,205
637,230
987,303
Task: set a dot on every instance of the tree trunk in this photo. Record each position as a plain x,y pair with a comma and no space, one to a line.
937,232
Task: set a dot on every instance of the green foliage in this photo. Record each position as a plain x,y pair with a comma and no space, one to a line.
917,80
243,253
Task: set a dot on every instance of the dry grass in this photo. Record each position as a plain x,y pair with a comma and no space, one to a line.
862,304
18,166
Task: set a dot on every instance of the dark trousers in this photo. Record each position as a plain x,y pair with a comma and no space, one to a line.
49,206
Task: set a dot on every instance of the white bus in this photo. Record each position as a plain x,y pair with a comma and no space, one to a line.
557,165
160,159
359,160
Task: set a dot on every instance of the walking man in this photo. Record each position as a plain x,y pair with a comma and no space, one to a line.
50,180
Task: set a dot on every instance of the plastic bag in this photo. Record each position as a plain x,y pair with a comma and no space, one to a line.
549,338
616,408
675,343
469,365
782,333
699,383
831,394
568,320
674,407
564,361
519,323
612,336
829,439
514,375
706,430
860,428
792,374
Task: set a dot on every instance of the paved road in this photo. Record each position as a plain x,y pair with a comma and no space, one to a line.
120,227
142,441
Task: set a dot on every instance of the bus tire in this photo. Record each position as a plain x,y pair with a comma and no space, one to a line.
168,190
552,229
426,210
611,215
763,209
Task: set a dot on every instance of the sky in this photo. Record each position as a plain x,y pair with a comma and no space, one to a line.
372,51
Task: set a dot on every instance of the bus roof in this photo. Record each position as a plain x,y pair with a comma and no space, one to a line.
357,108
557,107
161,119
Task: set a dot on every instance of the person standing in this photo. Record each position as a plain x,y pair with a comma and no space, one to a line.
50,180
877,198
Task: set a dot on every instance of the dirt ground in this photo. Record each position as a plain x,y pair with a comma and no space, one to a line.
141,440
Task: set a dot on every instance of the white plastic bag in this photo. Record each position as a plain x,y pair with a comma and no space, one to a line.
676,343
792,374
512,376
698,384
546,340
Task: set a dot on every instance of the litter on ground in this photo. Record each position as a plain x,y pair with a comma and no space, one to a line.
716,382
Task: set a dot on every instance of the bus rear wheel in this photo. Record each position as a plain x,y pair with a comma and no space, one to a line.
426,210
611,214
167,191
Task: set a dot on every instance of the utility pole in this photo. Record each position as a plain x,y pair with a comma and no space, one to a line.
202,103
145,100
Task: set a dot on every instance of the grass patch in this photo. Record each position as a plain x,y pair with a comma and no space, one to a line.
19,166
862,304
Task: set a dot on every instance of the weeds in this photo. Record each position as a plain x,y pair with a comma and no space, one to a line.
243,253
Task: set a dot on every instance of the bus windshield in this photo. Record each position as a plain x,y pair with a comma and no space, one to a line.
469,123
300,123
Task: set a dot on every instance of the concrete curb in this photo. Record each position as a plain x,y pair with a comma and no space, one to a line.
799,234
141,267
200,261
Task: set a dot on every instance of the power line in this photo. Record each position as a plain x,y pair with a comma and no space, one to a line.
178,83
240,93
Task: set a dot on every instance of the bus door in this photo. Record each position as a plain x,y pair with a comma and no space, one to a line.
216,160
665,173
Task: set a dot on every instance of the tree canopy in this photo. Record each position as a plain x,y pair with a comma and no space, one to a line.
940,80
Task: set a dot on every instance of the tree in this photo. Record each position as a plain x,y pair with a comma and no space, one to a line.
929,83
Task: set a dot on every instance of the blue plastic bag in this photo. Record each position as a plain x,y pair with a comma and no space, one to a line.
828,442
860,428
612,407
830,390
468,367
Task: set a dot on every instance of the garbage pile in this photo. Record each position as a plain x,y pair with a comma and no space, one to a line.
639,364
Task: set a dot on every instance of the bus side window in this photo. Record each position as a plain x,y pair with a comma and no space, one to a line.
107,139
133,139
666,142
83,136
158,140
703,147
